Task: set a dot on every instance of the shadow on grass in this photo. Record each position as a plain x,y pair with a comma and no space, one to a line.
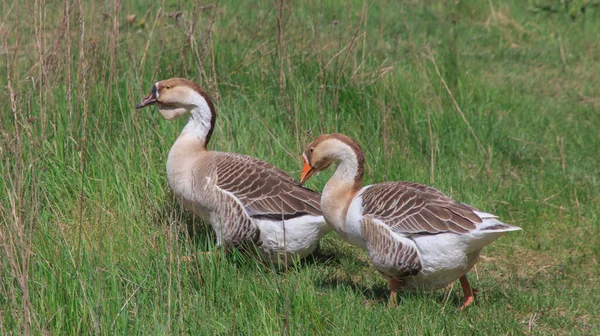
200,235
378,294
189,227
321,256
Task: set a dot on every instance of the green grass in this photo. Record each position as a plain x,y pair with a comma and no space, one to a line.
92,242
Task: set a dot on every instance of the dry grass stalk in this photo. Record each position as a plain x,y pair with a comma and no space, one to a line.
281,51
432,149
458,109
150,35
67,63
82,83
355,37
14,235
114,40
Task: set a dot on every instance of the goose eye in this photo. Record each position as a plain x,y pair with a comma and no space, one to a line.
167,87
312,149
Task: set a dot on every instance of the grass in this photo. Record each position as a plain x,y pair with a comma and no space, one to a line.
495,103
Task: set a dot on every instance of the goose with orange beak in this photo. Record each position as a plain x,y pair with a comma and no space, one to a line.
416,236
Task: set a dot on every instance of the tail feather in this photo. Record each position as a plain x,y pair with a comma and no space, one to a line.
485,215
500,227
490,223
487,231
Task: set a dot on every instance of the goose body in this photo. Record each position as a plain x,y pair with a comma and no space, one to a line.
415,235
245,200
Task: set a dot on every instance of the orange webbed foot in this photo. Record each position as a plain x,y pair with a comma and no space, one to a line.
470,293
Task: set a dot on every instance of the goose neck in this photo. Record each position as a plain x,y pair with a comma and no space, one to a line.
200,124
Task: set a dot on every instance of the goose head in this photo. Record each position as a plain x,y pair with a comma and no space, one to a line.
177,96
338,149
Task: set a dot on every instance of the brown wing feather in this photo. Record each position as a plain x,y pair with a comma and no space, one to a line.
391,256
416,208
265,190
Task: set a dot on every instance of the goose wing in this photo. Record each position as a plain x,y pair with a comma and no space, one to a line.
411,208
265,191
394,257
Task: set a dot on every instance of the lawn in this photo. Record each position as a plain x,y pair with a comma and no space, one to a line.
494,102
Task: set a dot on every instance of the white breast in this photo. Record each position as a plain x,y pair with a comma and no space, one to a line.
180,178
353,218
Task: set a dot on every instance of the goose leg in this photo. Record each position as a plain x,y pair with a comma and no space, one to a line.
394,285
468,290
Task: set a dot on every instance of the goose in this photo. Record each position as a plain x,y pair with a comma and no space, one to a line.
244,199
415,236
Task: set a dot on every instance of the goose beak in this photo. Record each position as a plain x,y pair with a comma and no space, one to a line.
150,99
307,172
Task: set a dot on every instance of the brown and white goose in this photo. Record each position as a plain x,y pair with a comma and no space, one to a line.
415,235
243,198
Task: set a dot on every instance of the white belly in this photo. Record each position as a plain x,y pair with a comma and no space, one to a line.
296,237
445,258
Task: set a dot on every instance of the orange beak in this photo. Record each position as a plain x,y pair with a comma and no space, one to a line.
307,172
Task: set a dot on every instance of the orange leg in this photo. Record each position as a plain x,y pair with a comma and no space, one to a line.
394,285
469,292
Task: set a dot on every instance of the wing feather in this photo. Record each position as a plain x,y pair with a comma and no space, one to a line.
394,257
409,208
264,190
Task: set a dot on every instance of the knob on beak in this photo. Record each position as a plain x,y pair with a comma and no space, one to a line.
149,99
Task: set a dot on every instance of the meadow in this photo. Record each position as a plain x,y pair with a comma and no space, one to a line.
494,102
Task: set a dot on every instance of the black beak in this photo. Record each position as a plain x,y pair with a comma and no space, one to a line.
150,99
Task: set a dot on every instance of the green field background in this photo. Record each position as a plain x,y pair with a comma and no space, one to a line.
495,103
